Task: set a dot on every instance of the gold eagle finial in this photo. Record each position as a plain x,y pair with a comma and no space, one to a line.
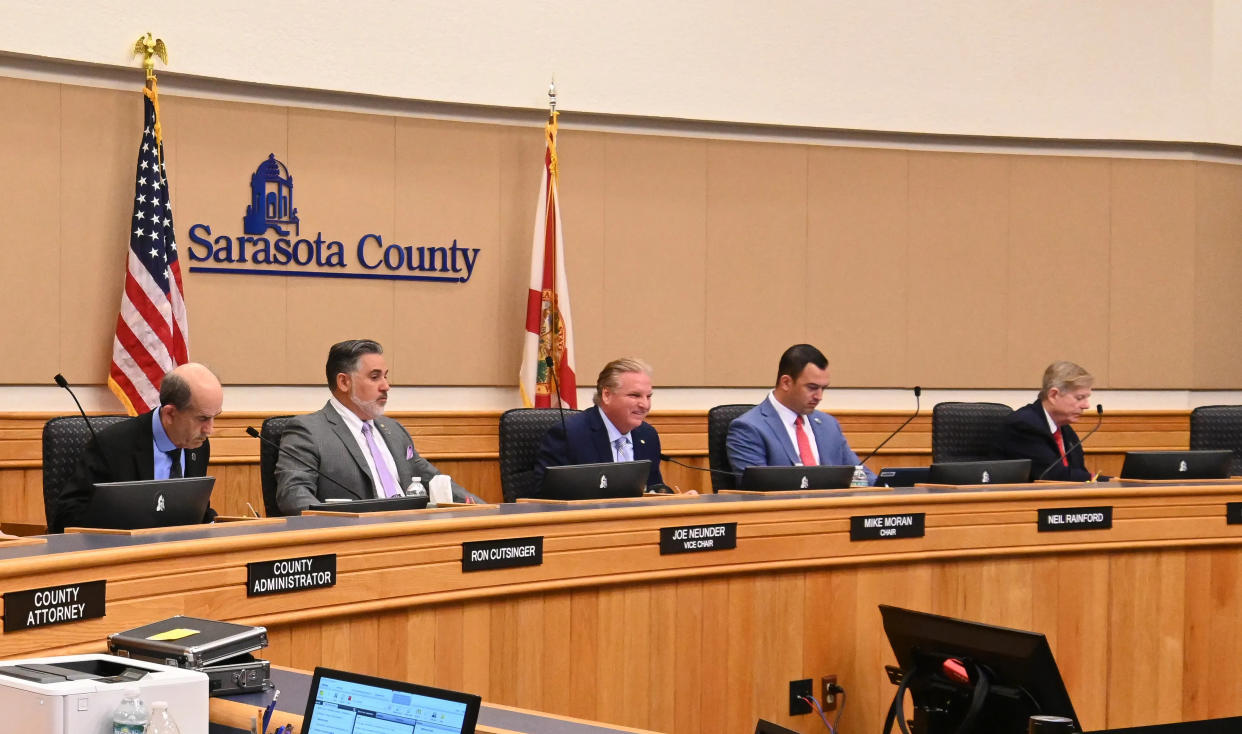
149,48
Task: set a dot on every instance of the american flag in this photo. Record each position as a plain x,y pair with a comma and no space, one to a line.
152,331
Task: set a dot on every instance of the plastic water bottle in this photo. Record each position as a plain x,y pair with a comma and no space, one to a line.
416,488
860,477
162,722
130,716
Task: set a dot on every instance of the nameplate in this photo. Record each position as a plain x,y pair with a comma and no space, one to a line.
484,555
1075,518
290,574
887,527
50,605
1233,513
698,538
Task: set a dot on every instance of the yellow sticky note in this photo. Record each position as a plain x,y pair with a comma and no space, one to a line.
176,634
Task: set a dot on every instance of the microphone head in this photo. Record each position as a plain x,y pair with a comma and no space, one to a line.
664,457
917,391
61,381
548,361
251,430
1099,409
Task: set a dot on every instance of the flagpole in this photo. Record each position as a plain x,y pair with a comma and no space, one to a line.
554,368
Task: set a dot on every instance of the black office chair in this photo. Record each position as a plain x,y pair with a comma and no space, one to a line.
64,438
966,431
271,430
718,420
1218,427
521,430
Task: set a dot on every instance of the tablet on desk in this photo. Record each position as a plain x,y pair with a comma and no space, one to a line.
385,504
350,703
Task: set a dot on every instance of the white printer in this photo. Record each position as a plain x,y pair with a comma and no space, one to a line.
77,694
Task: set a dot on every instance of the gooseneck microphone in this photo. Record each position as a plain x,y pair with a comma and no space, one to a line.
1099,410
556,388
62,382
917,406
671,460
253,432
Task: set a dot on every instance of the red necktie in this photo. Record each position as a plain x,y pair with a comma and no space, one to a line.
804,444
1061,446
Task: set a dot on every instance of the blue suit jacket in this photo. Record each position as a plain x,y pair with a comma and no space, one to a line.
588,444
758,438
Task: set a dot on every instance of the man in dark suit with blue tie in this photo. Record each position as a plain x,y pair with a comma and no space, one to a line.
614,429
785,429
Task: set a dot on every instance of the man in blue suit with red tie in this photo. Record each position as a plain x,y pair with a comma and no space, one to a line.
614,429
786,429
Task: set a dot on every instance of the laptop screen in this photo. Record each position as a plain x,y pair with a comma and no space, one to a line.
349,703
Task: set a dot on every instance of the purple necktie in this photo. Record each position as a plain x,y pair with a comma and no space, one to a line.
381,468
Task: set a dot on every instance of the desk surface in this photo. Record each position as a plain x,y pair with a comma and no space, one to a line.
1140,615
232,712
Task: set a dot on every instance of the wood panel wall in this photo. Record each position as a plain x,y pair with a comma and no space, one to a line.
464,445
906,266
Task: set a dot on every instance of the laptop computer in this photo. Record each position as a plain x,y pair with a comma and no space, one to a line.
150,503
902,476
1207,464
610,480
786,478
377,504
1005,471
350,703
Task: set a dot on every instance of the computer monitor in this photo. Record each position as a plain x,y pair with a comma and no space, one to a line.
612,480
1005,471
786,478
1213,464
385,504
150,503
349,703
1022,676
902,476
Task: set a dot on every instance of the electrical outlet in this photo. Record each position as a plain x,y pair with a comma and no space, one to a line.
828,692
798,689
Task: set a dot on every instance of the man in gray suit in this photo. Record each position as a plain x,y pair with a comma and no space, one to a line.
349,440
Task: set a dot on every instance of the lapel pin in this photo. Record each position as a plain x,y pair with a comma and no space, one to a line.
409,452
816,419
643,441
193,456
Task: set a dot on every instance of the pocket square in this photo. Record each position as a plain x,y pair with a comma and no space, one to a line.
409,452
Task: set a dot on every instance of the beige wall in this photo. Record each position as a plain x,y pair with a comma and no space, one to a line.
706,256
1105,69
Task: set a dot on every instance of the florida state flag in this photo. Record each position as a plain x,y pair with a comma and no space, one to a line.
547,376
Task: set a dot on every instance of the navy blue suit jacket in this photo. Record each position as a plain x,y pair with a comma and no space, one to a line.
587,443
1026,436
758,438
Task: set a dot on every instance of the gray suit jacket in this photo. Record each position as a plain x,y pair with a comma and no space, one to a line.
321,439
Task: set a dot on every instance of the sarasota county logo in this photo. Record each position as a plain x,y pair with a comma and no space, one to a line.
271,200
271,244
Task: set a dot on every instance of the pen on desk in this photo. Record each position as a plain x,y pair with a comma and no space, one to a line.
1095,477
267,712
252,510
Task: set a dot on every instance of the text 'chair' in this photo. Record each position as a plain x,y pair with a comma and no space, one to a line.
1218,427
521,431
64,438
271,430
966,431
718,420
